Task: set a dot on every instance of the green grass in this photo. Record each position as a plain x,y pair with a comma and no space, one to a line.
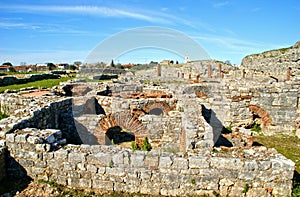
289,146
46,83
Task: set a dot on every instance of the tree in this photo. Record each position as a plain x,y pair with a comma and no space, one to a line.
73,67
112,63
228,62
11,69
176,61
7,64
51,66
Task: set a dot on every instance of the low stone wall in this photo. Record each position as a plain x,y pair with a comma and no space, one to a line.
253,172
41,114
20,106
2,163
10,80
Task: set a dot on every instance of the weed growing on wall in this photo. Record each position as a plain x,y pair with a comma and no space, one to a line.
146,146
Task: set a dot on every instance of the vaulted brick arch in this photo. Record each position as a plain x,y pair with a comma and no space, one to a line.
262,113
165,108
120,122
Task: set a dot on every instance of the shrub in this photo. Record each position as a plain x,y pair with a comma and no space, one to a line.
256,127
146,146
134,146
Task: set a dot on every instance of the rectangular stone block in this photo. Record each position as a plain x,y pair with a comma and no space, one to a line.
21,138
85,183
198,162
73,182
151,161
137,160
101,159
226,163
62,154
120,172
180,163
77,157
165,162
105,185
91,168
10,137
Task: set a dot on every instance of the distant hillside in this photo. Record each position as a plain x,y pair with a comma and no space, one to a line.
275,62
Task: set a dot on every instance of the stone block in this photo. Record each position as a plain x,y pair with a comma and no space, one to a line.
26,163
226,163
34,140
114,171
43,148
137,160
179,163
118,159
165,162
91,168
85,183
198,162
105,185
76,157
73,182
100,158
68,166
151,162
10,137
81,166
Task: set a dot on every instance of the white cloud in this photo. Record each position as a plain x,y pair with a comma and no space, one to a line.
100,11
10,25
220,4
256,9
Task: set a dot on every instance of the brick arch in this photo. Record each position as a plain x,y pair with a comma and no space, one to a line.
262,113
125,121
158,104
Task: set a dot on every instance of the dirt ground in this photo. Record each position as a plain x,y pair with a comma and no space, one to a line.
36,93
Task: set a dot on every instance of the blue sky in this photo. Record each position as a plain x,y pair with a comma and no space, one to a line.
67,31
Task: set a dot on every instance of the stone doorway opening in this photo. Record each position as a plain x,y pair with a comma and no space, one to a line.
156,111
117,135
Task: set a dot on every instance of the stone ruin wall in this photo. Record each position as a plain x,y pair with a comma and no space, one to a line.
235,103
38,113
241,95
10,80
158,173
111,168
275,62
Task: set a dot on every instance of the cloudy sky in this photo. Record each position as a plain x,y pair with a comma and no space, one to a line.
67,31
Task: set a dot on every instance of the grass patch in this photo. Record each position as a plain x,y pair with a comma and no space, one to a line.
3,115
289,146
46,83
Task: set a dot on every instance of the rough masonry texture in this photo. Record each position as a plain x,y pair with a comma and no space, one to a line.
82,136
158,173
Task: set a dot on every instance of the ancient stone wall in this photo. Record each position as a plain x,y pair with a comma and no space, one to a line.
275,62
39,113
20,106
10,80
262,171
237,102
